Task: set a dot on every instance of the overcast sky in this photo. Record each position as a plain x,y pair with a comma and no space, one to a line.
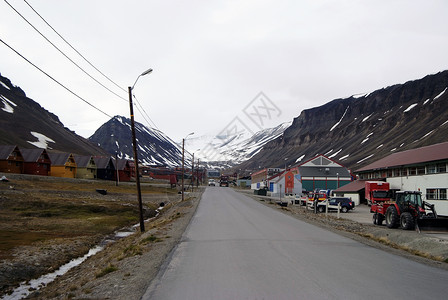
212,59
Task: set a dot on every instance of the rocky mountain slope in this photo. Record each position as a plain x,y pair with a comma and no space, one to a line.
24,123
358,130
154,147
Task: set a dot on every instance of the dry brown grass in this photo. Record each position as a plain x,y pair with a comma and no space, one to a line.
33,211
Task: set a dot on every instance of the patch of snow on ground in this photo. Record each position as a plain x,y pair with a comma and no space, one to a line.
440,95
300,158
8,104
42,140
367,138
426,101
344,157
428,134
379,146
392,150
366,118
410,107
446,122
343,115
359,95
336,153
365,158
326,154
2,83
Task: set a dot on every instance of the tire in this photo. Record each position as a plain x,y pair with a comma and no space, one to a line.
392,219
321,208
407,221
380,219
344,209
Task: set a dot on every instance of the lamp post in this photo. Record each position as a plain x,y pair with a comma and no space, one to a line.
134,144
183,159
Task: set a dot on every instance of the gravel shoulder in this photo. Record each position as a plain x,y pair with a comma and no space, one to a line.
124,269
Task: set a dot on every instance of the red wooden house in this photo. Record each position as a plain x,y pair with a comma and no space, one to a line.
36,162
11,159
123,168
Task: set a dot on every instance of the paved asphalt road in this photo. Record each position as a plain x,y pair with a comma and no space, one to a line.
237,248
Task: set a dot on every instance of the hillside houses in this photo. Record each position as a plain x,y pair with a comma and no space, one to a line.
42,162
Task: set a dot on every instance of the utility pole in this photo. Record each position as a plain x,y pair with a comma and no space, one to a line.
192,174
137,175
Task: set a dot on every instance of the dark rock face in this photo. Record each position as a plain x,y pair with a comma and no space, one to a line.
20,116
358,131
154,147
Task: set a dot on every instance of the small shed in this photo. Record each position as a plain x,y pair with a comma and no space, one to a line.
62,164
354,190
36,162
86,167
11,159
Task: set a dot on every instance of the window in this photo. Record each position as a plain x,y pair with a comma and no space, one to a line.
441,168
412,171
436,194
421,170
432,169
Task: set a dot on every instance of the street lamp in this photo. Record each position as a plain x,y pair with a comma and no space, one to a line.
183,159
134,144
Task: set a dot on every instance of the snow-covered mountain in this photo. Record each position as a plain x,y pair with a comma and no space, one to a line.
224,151
154,147
364,128
24,123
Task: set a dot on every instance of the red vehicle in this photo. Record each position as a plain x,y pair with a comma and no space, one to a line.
407,211
377,191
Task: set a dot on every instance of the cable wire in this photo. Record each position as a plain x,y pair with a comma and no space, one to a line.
75,48
52,78
60,51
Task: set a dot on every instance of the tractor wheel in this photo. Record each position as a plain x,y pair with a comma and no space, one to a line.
407,221
392,219
379,219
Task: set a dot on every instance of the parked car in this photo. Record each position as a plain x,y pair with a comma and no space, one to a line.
346,204
211,182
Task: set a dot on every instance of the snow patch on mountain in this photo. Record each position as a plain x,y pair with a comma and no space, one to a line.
42,140
8,104
232,147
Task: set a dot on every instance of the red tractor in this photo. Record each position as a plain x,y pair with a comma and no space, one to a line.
407,211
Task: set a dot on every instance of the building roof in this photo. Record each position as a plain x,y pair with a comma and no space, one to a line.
59,158
83,161
6,150
33,155
354,186
410,157
102,162
319,171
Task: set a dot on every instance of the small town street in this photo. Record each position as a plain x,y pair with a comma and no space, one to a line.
237,248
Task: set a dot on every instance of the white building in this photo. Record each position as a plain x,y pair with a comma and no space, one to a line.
422,169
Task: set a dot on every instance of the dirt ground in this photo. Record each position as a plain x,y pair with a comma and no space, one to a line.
124,269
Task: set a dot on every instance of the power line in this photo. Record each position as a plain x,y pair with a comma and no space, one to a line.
144,113
75,48
52,78
60,51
